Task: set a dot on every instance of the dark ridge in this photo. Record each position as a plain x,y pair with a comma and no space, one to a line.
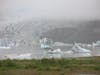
81,34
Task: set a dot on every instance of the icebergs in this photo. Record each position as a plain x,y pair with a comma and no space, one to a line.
77,49
4,47
55,51
97,44
62,44
19,56
45,43
69,52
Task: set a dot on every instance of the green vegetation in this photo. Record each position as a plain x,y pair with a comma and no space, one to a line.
60,66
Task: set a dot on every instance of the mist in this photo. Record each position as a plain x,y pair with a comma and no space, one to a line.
19,10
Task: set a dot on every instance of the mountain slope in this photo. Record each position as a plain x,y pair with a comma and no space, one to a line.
84,34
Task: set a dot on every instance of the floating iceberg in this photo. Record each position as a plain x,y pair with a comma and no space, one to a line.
45,43
19,56
77,49
55,51
4,47
97,44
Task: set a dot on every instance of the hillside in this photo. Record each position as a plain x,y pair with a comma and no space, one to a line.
85,33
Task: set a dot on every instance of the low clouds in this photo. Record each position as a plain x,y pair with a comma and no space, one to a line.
53,9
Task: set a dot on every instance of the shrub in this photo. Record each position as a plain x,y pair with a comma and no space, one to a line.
9,63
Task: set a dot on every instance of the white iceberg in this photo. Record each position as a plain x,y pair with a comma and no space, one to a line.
19,56
97,44
77,49
55,51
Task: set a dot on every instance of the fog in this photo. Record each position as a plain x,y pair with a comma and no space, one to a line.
24,22
18,10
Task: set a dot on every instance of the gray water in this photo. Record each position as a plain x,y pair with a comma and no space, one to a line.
38,53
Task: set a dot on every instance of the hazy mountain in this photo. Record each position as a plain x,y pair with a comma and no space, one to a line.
58,30
86,32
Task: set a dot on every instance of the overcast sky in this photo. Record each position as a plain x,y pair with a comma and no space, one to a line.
13,10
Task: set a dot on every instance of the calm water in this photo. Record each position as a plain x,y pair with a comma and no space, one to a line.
38,53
